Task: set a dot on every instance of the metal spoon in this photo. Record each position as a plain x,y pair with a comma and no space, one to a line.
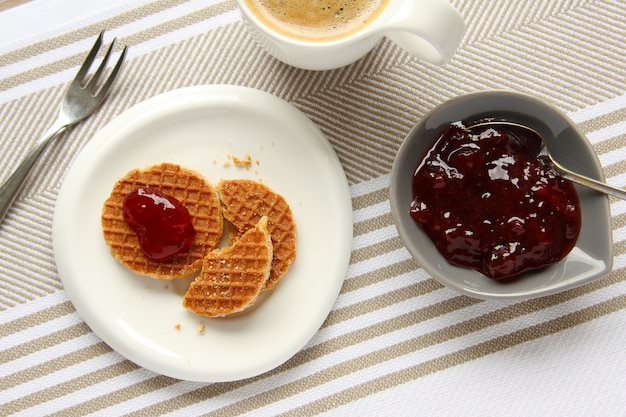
565,173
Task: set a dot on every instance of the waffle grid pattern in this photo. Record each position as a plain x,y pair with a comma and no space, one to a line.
233,277
196,194
244,202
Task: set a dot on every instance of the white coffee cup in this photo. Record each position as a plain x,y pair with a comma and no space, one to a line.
430,30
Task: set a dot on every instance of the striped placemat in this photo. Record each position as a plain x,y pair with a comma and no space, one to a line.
396,341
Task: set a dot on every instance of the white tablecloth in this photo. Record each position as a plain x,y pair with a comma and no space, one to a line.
396,342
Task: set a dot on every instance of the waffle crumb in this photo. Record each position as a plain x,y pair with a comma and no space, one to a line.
201,328
245,162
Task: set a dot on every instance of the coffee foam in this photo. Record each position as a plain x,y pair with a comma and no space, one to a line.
317,21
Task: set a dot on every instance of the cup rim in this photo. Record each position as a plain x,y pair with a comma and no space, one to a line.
249,15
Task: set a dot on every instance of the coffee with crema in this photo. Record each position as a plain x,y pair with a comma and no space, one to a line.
316,20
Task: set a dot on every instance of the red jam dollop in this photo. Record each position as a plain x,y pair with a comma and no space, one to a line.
161,222
490,201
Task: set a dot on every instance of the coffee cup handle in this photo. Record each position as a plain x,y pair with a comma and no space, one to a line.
428,29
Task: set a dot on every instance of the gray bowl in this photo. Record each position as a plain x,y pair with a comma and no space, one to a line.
591,258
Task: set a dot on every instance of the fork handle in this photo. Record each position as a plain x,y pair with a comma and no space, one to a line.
11,187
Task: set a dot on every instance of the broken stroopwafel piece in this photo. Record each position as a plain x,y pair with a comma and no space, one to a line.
244,202
188,187
232,277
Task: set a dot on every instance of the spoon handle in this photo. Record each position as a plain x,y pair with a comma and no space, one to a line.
589,182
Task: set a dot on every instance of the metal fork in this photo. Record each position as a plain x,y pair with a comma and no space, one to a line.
81,99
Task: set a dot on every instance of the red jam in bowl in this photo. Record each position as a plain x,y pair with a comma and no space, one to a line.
161,222
491,202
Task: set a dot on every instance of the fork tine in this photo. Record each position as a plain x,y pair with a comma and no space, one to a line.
84,69
94,79
109,81
78,103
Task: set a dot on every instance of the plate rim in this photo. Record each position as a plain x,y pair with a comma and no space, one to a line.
205,94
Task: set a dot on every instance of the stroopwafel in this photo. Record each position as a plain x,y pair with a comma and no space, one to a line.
232,277
188,187
244,202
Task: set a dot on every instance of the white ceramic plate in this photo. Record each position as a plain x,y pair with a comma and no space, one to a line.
202,128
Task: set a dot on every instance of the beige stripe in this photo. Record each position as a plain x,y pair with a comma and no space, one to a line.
603,121
485,21
9,299
359,335
206,393
418,343
44,342
381,301
35,319
619,248
610,144
7,4
41,72
16,289
361,142
353,115
457,358
370,199
615,169
66,388
304,356
365,116
87,31
415,95
10,125
25,127
32,125
618,221
54,365
119,396
217,389
378,275
355,161
374,223
380,248
24,290
550,53
77,59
